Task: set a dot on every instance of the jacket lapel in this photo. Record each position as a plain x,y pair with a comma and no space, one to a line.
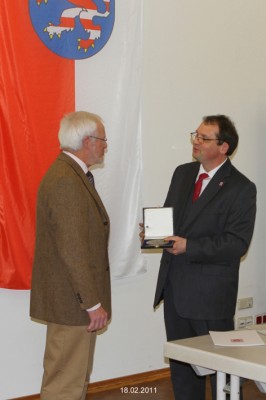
215,185
184,188
78,170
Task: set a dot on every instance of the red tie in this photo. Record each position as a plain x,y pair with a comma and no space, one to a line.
198,186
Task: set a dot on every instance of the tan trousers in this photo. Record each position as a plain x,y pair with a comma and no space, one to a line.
67,362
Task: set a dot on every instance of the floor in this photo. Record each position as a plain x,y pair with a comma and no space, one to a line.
161,390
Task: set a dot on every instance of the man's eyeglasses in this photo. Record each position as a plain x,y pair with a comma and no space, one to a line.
200,139
95,137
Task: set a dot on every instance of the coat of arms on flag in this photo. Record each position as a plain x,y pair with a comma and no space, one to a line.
74,29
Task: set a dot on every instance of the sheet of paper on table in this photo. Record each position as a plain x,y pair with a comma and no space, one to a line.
260,328
237,338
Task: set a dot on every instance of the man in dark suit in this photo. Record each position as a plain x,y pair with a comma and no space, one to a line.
198,278
71,280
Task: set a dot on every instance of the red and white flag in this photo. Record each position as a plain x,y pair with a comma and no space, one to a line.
57,57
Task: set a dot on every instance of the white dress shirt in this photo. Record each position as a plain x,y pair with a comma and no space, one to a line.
210,173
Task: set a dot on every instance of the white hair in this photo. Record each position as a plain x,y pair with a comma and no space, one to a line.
74,127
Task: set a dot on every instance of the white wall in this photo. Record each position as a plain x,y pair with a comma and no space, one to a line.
200,57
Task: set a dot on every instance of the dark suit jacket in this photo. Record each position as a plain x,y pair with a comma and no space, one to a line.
71,267
218,228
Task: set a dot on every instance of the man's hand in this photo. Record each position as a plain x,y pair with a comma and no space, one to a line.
98,319
180,245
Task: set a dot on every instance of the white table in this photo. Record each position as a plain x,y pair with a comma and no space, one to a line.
206,358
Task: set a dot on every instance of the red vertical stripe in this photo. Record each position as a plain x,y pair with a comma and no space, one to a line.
36,89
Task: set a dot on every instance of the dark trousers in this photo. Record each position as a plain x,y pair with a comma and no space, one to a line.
186,384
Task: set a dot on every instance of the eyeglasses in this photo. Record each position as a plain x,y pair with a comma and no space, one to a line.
201,139
95,137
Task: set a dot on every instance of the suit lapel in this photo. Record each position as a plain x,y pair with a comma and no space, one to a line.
216,184
184,188
78,170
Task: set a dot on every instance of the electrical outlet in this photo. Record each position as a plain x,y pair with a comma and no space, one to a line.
242,322
246,302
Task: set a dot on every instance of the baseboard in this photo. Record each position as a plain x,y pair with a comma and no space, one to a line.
110,384
130,380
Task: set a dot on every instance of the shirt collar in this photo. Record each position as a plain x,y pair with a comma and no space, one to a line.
78,161
210,173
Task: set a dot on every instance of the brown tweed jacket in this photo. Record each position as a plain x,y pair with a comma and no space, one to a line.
71,268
